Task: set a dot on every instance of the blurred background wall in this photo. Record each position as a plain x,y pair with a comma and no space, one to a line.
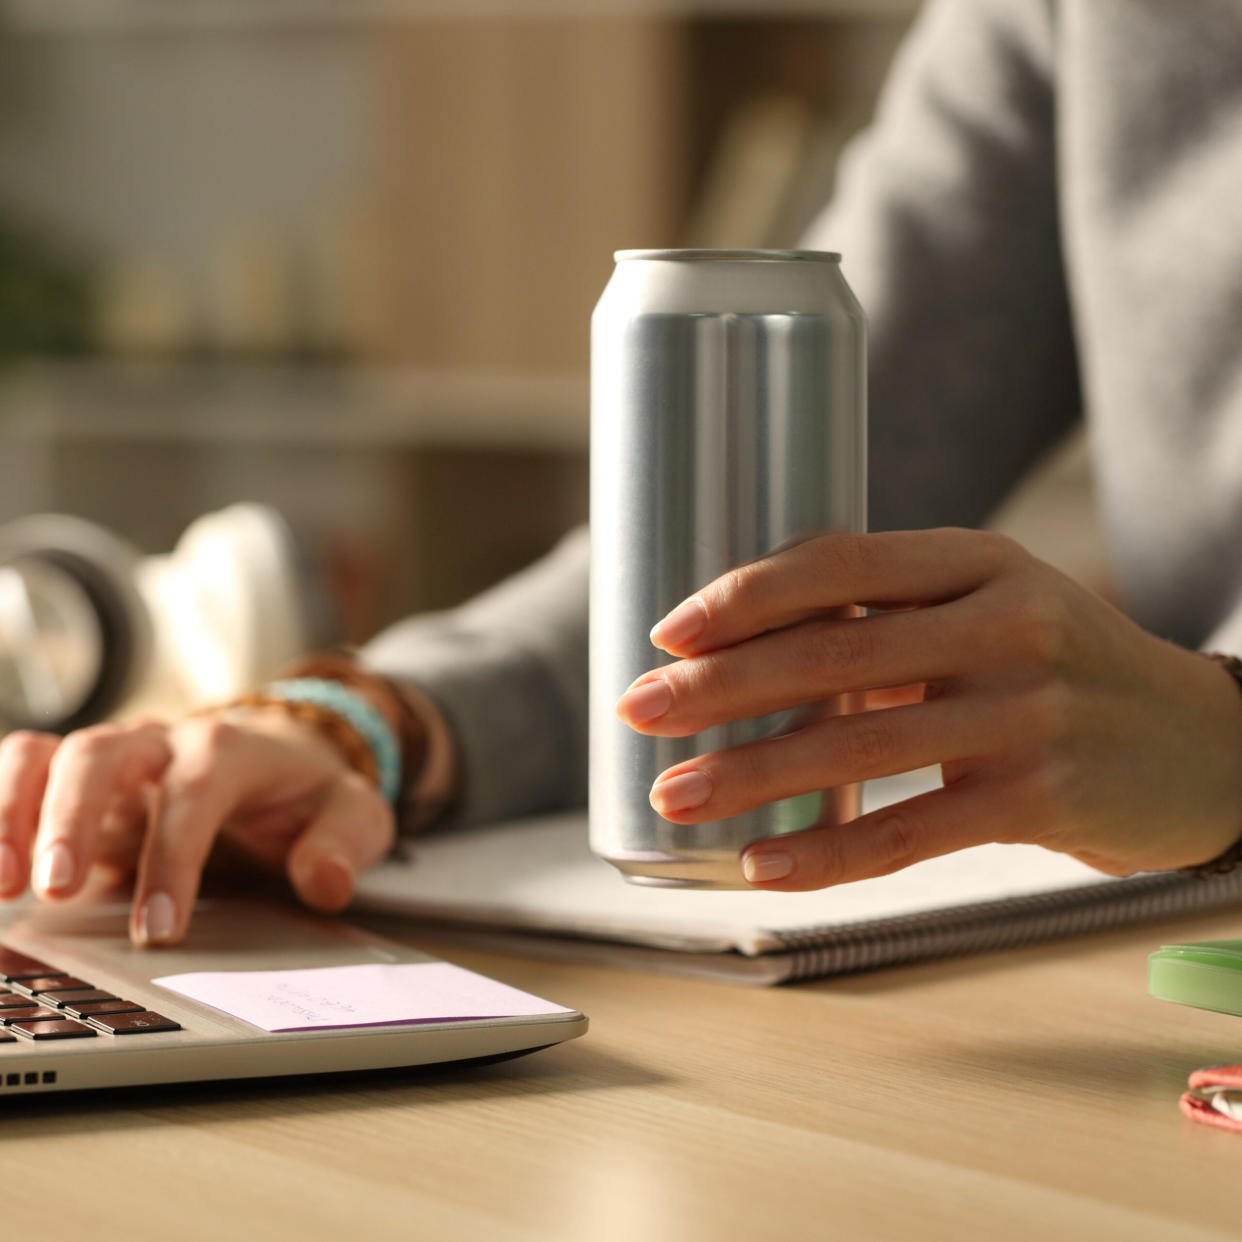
341,258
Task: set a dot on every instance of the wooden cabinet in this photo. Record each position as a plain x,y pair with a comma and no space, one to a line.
521,152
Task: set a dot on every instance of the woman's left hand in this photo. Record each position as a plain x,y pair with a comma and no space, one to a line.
1055,719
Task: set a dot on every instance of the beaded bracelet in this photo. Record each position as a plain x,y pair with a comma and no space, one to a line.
428,756
1231,859
366,721
332,726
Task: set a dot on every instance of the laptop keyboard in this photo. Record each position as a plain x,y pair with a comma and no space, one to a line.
39,1002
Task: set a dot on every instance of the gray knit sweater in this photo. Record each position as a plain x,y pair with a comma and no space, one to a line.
1045,219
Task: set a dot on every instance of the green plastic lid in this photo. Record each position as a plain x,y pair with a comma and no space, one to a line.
1206,974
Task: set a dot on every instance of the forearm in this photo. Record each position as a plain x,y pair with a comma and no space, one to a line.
507,671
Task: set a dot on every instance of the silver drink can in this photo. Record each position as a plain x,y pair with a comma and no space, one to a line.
728,417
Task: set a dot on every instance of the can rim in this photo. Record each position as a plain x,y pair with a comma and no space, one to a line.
708,256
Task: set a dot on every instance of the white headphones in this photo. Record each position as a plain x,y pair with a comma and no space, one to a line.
89,626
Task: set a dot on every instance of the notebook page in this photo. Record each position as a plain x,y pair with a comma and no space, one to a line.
539,874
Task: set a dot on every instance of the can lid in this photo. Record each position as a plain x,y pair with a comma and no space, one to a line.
732,256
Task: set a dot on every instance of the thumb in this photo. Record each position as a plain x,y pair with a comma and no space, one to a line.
353,828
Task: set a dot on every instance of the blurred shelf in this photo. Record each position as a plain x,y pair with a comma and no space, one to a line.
97,14
314,404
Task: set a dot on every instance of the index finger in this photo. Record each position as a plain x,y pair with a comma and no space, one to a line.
201,788
25,759
89,773
888,570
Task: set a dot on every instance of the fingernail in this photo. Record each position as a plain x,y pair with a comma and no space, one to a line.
646,703
333,880
10,868
55,867
759,866
155,924
684,624
682,792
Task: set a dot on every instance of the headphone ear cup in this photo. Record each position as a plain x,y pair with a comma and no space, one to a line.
221,613
228,602
103,627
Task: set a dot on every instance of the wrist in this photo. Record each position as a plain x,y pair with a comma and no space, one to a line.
276,721
341,717
1229,857
429,749
433,790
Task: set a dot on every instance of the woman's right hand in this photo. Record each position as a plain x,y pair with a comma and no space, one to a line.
152,800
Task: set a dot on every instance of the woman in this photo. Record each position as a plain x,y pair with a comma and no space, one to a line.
1038,224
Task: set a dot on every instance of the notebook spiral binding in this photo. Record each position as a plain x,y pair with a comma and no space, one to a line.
1002,924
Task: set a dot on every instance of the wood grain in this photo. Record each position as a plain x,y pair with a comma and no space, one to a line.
1027,1095
522,153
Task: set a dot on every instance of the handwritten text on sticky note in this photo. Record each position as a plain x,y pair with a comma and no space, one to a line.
375,994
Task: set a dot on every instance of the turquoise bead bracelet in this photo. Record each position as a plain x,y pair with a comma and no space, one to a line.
357,712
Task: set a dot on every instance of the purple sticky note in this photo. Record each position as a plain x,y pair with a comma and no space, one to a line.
374,994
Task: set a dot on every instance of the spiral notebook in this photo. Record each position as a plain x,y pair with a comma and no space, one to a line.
535,883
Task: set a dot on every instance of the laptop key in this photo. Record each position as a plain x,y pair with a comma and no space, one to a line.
20,1012
62,1028
84,1009
34,1013
55,983
14,965
65,999
16,1000
133,1023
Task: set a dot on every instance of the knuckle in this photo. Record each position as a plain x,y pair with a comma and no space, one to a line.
362,792
897,838
995,553
1047,792
750,768
355,784
1001,549
369,804
837,645
710,677
1045,716
192,776
193,773
202,744
735,591
26,746
830,857
215,734
89,745
846,557
867,742
1036,626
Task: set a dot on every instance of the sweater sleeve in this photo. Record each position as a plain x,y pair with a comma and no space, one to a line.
509,671
946,214
947,218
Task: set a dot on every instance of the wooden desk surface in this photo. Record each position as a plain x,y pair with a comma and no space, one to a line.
1024,1095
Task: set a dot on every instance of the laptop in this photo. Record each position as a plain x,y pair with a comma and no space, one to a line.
258,989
